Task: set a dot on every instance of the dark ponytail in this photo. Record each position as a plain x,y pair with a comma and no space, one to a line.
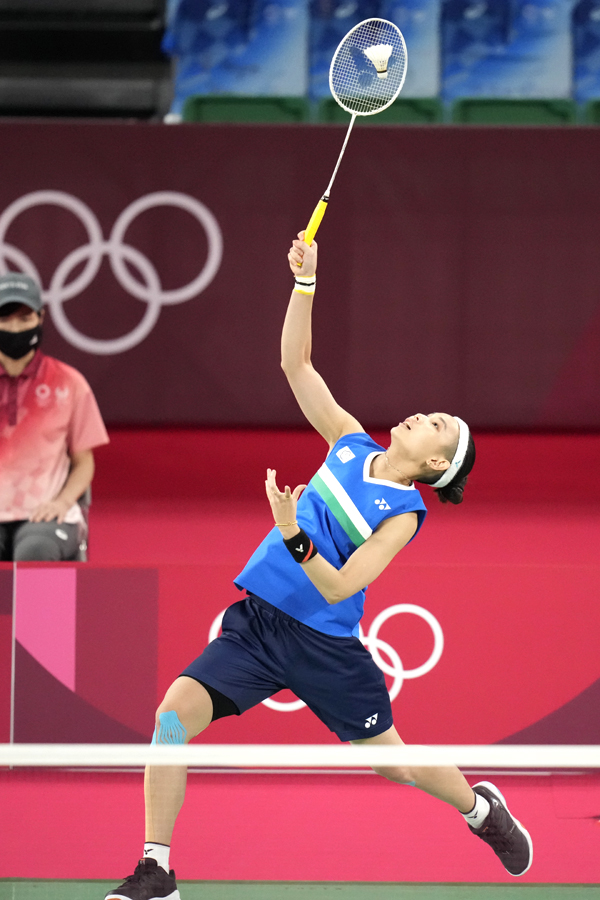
453,492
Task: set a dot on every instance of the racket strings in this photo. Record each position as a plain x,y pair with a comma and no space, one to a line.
354,79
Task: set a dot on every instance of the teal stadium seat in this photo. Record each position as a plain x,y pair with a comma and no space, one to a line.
236,108
404,111
591,113
512,111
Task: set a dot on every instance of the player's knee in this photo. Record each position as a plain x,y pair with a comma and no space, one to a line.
35,548
168,728
398,774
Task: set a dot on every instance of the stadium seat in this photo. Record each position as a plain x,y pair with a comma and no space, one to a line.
236,108
404,111
591,113
85,501
512,111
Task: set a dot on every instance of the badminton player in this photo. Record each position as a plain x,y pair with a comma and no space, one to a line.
297,625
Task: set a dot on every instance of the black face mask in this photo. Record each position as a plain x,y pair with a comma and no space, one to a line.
17,344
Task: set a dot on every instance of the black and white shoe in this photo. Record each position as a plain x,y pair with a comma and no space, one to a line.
148,882
506,836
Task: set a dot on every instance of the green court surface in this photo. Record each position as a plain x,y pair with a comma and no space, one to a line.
293,890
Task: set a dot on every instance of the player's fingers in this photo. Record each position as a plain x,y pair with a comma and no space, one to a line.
272,485
287,492
297,491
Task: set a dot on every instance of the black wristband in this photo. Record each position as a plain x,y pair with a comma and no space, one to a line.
301,547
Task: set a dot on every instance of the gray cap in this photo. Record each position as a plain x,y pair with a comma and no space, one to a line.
18,288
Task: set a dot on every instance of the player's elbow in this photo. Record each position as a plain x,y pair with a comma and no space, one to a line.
295,363
291,368
336,595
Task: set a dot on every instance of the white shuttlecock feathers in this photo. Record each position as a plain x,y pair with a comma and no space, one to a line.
379,55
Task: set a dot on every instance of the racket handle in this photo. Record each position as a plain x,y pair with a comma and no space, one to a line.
315,220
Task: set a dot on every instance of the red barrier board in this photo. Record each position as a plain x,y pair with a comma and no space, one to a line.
472,653
294,828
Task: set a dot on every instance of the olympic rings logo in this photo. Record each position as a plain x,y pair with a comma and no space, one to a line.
376,646
119,253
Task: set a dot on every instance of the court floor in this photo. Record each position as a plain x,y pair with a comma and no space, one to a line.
274,890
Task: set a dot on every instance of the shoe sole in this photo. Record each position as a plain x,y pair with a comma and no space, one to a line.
494,790
174,896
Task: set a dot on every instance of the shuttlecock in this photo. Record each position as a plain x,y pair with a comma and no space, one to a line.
379,55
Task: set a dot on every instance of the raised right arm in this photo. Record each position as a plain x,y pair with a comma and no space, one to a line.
314,397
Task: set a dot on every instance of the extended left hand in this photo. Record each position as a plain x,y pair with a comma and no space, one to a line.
283,504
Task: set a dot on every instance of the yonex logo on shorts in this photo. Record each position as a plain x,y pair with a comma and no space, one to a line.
372,720
392,664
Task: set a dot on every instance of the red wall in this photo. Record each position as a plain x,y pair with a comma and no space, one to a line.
459,267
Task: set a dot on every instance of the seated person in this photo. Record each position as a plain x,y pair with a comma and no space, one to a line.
49,425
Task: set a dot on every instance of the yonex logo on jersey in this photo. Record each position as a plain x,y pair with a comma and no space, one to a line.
345,454
372,720
383,504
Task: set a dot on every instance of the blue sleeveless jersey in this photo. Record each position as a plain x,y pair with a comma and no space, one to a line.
339,509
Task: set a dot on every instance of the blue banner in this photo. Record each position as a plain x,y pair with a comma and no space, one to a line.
418,20
506,48
586,50
252,47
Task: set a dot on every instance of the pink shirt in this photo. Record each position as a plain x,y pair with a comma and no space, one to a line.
47,413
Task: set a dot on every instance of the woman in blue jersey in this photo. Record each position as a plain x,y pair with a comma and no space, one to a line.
297,626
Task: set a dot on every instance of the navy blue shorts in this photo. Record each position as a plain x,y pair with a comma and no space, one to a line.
263,650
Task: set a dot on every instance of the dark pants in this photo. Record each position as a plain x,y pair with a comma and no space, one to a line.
22,541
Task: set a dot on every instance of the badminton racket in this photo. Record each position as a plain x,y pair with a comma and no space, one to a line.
365,76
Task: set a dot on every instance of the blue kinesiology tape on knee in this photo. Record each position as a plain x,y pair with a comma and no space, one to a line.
170,730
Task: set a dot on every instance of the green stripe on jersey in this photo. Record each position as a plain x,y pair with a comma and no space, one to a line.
341,506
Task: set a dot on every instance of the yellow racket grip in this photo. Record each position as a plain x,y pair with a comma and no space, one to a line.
315,220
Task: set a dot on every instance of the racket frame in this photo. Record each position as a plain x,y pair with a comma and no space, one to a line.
321,207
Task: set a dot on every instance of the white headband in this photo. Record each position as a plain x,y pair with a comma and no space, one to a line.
459,456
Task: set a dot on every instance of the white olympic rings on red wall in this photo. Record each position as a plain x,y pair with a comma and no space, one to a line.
149,290
376,646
